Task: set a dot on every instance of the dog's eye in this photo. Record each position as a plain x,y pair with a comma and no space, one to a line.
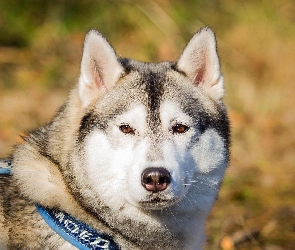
179,128
126,129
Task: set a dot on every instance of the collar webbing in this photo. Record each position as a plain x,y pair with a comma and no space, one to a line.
5,166
76,232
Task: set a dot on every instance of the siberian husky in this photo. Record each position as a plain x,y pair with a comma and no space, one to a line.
133,160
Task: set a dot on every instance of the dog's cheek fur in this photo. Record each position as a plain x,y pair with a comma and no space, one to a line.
210,156
107,169
210,152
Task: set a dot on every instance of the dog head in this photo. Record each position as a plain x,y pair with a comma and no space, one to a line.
153,135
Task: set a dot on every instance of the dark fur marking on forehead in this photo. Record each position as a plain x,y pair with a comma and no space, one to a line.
154,87
152,80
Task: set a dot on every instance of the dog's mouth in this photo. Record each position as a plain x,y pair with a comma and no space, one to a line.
157,203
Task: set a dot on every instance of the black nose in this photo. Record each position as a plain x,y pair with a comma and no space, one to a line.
155,179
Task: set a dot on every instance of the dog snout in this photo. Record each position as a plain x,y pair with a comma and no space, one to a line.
155,179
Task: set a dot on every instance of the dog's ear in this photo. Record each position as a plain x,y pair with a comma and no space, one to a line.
100,68
200,62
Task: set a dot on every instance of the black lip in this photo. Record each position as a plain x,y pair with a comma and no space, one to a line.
156,200
157,203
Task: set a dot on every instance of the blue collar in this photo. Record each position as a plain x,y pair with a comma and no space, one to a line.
76,232
70,229
5,166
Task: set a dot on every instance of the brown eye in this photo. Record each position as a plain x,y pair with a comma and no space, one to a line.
126,129
180,128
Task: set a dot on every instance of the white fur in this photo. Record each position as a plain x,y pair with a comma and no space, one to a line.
200,62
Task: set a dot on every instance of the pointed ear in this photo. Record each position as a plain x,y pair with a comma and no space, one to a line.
200,62
100,68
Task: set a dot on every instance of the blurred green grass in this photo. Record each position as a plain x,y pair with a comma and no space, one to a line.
40,51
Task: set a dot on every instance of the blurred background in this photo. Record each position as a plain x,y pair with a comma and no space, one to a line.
40,50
